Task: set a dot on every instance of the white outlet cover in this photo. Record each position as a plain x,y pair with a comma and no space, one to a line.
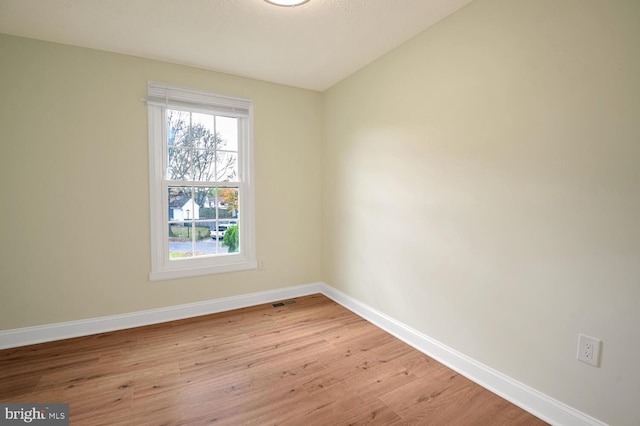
589,349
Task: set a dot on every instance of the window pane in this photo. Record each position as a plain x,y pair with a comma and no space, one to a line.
231,237
228,204
209,238
203,163
225,208
181,205
181,211
177,128
227,167
227,131
205,202
202,132
180,240
179,164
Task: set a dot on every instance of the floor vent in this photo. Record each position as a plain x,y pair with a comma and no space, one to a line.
286,302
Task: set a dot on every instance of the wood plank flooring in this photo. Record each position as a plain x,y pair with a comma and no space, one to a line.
309,363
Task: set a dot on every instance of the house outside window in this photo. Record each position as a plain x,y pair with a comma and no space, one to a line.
201,189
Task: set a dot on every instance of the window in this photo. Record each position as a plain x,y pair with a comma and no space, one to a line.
201,189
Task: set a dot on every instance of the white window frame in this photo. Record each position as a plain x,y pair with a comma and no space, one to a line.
161,97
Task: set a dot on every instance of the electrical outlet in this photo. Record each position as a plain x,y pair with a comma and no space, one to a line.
262,264
589,349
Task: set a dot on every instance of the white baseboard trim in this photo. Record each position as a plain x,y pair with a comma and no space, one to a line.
65,330
537,403
527,398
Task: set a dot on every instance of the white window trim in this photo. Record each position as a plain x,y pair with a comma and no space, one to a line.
159,97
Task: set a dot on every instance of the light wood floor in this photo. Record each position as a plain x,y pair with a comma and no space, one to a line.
308,363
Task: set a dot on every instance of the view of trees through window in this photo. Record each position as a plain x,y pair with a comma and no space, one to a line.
202,167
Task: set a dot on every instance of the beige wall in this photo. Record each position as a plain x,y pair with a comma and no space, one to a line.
481,184
74,185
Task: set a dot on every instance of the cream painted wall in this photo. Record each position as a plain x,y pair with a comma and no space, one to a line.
74,185
481,184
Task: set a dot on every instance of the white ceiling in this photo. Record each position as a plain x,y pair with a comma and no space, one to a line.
313,46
